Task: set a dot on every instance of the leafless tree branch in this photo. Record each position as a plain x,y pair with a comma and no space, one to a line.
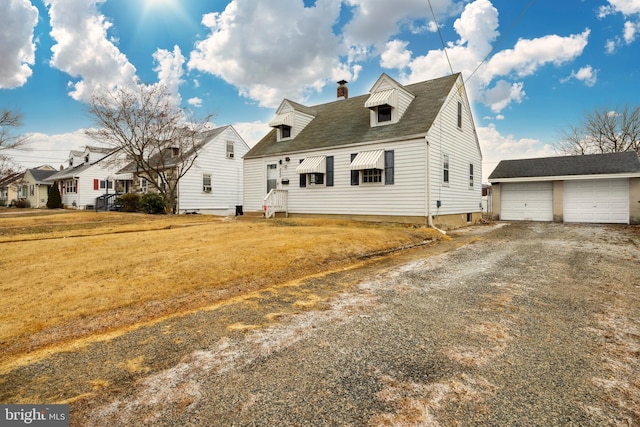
604,131
161,139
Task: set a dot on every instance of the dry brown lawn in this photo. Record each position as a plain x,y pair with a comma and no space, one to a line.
67,274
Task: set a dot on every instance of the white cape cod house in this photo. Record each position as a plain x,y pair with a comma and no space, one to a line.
213,184
400,153
89,174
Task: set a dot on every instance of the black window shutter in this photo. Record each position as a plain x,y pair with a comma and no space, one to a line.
388,167
329,162
355,175
303,177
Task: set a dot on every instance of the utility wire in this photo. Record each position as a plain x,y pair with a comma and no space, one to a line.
501,38
440,34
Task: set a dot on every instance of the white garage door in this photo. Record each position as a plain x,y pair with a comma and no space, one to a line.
526,201
597,201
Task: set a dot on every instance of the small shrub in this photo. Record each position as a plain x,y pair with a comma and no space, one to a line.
130,202
54,201
152,203
23,203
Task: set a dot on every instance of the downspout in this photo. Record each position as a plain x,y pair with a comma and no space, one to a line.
428,178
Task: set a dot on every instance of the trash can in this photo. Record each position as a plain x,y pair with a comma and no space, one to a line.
239,210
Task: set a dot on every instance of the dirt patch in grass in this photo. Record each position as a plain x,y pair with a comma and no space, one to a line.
74,274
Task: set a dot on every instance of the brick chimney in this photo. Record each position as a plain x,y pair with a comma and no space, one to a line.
343,90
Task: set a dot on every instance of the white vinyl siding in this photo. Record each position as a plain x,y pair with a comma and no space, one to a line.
85,194
461,146
406,197
597,201
225,175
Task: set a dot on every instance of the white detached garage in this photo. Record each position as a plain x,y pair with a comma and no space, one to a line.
598,188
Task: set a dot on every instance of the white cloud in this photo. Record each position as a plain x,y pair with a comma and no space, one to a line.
626,7
396,55
631,11
18,18
477,28
502,94
586,74
195,102
496,147
374,21
83,49
630,31
252,132
52,150
529,55
271,50
170,69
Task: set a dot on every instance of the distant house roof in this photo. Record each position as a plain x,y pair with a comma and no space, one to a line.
166,159
68,173
10,179
346,121
74,171
592,164
40,175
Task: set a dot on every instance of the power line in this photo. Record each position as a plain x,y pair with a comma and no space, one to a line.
501,38
444,48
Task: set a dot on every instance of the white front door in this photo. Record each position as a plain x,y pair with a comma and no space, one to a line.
272,177
597,201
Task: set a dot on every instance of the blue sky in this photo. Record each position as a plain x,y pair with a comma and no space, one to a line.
532,68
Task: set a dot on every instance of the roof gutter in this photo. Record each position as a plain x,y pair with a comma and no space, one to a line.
566,177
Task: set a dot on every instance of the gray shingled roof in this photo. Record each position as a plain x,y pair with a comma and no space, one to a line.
67,173
592,164
40,175
165,158
346,121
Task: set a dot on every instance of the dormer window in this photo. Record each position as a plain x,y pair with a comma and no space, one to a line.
285,131
86,158
384,113
382,105
387,102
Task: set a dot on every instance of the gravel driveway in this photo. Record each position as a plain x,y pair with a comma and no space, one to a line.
523,324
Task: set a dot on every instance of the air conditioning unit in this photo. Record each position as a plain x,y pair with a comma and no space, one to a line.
206,189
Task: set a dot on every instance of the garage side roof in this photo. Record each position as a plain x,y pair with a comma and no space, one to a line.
591,164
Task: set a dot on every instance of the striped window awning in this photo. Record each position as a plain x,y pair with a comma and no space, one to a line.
368,160
123,177
313,165
384,97
286,119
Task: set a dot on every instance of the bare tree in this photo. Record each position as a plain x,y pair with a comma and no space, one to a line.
161,140
9,121
604,131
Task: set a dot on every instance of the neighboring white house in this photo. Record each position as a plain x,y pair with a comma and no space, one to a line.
90,174
33,186
401,153
596,188
213,185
